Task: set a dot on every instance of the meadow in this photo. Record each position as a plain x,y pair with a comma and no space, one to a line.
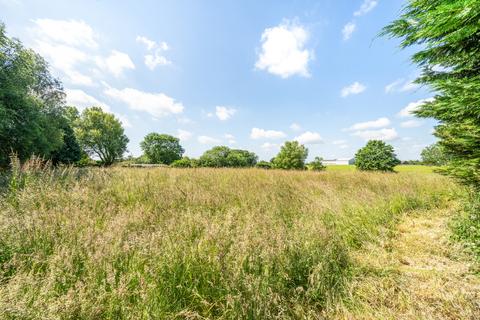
156,243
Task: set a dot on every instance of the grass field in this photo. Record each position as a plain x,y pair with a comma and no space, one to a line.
125,243
401,168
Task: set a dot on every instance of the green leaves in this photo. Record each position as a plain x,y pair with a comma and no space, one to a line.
376,156
292,155
448,32
162,148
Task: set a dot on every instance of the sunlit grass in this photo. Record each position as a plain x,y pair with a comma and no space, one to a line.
127,243
401,168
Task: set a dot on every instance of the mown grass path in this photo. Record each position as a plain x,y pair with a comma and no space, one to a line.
418,274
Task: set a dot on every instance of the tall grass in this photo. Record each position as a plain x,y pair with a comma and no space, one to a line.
192,243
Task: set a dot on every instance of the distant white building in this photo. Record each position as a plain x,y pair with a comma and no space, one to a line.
339,162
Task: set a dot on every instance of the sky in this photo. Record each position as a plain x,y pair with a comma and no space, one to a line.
247,74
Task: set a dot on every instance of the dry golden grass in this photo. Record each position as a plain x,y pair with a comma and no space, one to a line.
195,243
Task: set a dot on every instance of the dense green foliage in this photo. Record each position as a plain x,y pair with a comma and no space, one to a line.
264,165
31,107
222,156
376,155
449,34
185,162
161,148
317,164
101,134
292,155
434,155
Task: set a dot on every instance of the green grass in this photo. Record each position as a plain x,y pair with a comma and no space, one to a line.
127,243
401,168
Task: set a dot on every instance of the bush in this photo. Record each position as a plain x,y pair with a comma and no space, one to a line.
317,165
376,156
185,162
291,156
162,148
263,165
221,157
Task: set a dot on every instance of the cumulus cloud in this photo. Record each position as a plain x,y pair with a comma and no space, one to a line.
257,133
309,138
379,123
230,138
82,100
183,135
411,124
413,106
155,56
348,30
401,85
156,104
270,146
283,51
386,134
224,113
208,140
366,7
75,33
354,88
295,127
116,63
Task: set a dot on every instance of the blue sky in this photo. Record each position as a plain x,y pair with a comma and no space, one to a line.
247,74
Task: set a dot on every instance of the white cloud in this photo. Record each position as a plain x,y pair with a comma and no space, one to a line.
413,106
270,146
157,104
224,113
184,134
230,138
309,138
401,85
411,124
283,50
339,142
354,88
366,7
257,133
75,33
81,100
295,127
379,123
150,44
386,134
155,57
208,140
348,30
116,63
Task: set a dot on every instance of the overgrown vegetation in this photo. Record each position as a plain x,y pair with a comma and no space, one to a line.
449,35
125,243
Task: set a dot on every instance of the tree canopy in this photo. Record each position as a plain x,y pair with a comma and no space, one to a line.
292,155
448,33
376,156
223,156
434,155
101,134
161,148
31,104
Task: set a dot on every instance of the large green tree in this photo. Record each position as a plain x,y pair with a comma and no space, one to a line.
222,156
31,103
161,148
292,155
434,155
101,134
376,156
448,35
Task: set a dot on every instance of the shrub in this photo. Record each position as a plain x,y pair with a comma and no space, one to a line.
263,165
376,155
317,165
185,162
291,156
221,157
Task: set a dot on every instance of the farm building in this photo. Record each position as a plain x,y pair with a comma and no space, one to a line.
343,161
